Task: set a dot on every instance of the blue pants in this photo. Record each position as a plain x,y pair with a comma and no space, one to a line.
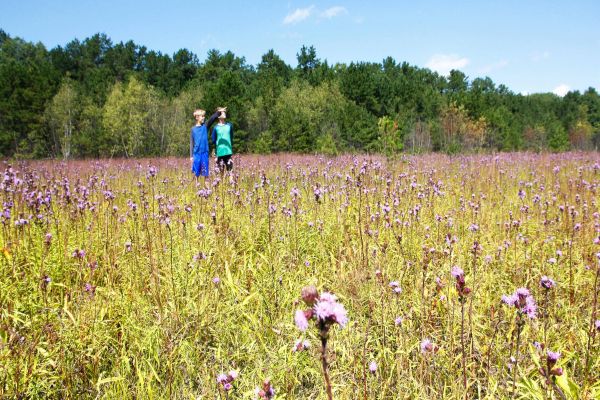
200,164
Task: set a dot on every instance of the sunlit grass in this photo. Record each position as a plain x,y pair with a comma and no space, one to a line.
179,284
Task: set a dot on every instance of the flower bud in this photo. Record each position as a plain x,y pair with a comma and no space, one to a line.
310,295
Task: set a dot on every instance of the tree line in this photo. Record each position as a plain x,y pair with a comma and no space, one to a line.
96,98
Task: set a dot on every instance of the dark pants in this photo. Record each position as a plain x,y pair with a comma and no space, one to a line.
225,162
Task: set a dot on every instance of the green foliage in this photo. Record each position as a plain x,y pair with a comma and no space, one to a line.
61,116
558,140
326,144
127,118
32,93
391,141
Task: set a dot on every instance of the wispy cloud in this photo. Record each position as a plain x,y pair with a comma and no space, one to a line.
540,55
486,69
561,89
299,14
333,12
444,63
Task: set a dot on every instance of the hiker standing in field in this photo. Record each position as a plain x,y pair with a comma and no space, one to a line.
222,137
199,142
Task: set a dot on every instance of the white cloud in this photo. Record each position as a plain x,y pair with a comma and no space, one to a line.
333,12
300,14
443,63
561,90
540,55
492,67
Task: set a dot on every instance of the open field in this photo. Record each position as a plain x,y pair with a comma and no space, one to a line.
127,279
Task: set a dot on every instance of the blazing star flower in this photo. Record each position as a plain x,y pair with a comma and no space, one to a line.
559,253
328,309
394,284
547,283
597,324
427,346
152,171
300,320
89,288
221,378
457,272
267,392
510,300
328,297
216,280
300,345
310,295
398,321
77,253
552,356
373,367
523,301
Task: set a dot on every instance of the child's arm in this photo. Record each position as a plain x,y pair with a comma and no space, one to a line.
211,120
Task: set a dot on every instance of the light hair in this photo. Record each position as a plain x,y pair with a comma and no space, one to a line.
200,112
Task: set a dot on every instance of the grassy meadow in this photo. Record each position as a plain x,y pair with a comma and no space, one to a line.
127,279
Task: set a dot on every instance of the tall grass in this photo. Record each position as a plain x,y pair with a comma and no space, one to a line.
129,279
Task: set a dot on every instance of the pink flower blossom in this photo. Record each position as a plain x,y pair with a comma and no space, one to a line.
300,320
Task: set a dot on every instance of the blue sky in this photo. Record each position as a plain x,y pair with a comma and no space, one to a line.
528,45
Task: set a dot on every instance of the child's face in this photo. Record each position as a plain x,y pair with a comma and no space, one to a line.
199,118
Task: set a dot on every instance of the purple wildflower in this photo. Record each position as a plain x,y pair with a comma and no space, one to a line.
523,301
77,253
300,320
373,367
398,321
267,392
427,346
457,272
152,171
328,310
300,345
547,283
553,356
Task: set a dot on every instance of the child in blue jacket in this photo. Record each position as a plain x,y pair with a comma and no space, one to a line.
199,141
